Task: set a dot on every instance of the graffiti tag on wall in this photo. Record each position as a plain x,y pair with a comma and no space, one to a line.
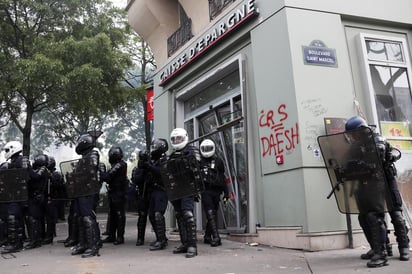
279,138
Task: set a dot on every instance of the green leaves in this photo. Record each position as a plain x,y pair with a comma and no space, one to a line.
61,59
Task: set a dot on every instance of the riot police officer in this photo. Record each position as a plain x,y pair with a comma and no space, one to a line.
388,156
84,206
213,170
156,190
143,198
184,207
116,177
55,196
3,215
37,188
15,223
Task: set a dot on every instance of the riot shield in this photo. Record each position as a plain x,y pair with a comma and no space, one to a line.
181,177
13,185
355,171
80,178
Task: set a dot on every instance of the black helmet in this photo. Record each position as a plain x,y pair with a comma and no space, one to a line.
115,155
40,160
143,154
52,163
158,147
84,144
355,122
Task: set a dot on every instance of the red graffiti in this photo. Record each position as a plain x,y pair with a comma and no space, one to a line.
280,139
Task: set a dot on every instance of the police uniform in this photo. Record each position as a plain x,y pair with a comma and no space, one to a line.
37,188
213,170
143,198
15,222
184,207
85,206
116,177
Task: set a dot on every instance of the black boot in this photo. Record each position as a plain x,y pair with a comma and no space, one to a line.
366,231
97,232
50,231
81,245
107,230
91,237
35,234
14,234
160,230
401,233
120,225
191,234
141,228
73,238
3,232
211,219
183,234
378,235
111,236
207,238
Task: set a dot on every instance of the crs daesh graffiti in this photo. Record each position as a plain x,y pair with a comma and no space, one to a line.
276,137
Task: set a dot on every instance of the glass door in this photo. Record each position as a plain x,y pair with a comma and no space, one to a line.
231,148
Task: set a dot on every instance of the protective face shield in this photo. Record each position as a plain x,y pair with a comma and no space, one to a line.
355,122
52,163
40,160
84,143
158,147
115,155
12,148
179,138
207,148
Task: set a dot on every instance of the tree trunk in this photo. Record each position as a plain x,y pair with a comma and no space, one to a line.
27,130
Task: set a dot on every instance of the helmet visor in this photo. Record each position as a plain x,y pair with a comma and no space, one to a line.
177,139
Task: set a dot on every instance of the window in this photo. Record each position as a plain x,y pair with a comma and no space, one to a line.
388,72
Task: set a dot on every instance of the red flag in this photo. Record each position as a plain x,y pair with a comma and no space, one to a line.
150,105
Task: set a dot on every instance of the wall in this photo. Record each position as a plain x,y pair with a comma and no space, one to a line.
282,89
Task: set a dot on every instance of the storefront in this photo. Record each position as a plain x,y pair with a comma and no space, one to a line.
260,80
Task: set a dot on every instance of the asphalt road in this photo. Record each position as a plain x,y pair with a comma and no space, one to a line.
231,257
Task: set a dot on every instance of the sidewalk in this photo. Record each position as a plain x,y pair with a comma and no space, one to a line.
231,257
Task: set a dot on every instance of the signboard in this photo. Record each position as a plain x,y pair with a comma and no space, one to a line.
394,131
334,125
318,54
150,105
222,28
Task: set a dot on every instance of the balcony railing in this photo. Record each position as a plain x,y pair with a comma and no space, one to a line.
217,6
179,37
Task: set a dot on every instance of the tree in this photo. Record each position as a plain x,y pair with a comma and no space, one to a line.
62,57
141,55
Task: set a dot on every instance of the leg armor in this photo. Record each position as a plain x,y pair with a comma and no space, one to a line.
211,220
35,232
3,232
378,236
15,235
111,229
141,227
401,233
73,237
160,230
80,247
191,233
182,233
50,231
107,231
91,237
207,238
120,224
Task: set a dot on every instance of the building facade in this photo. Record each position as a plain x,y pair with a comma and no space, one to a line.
261,78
